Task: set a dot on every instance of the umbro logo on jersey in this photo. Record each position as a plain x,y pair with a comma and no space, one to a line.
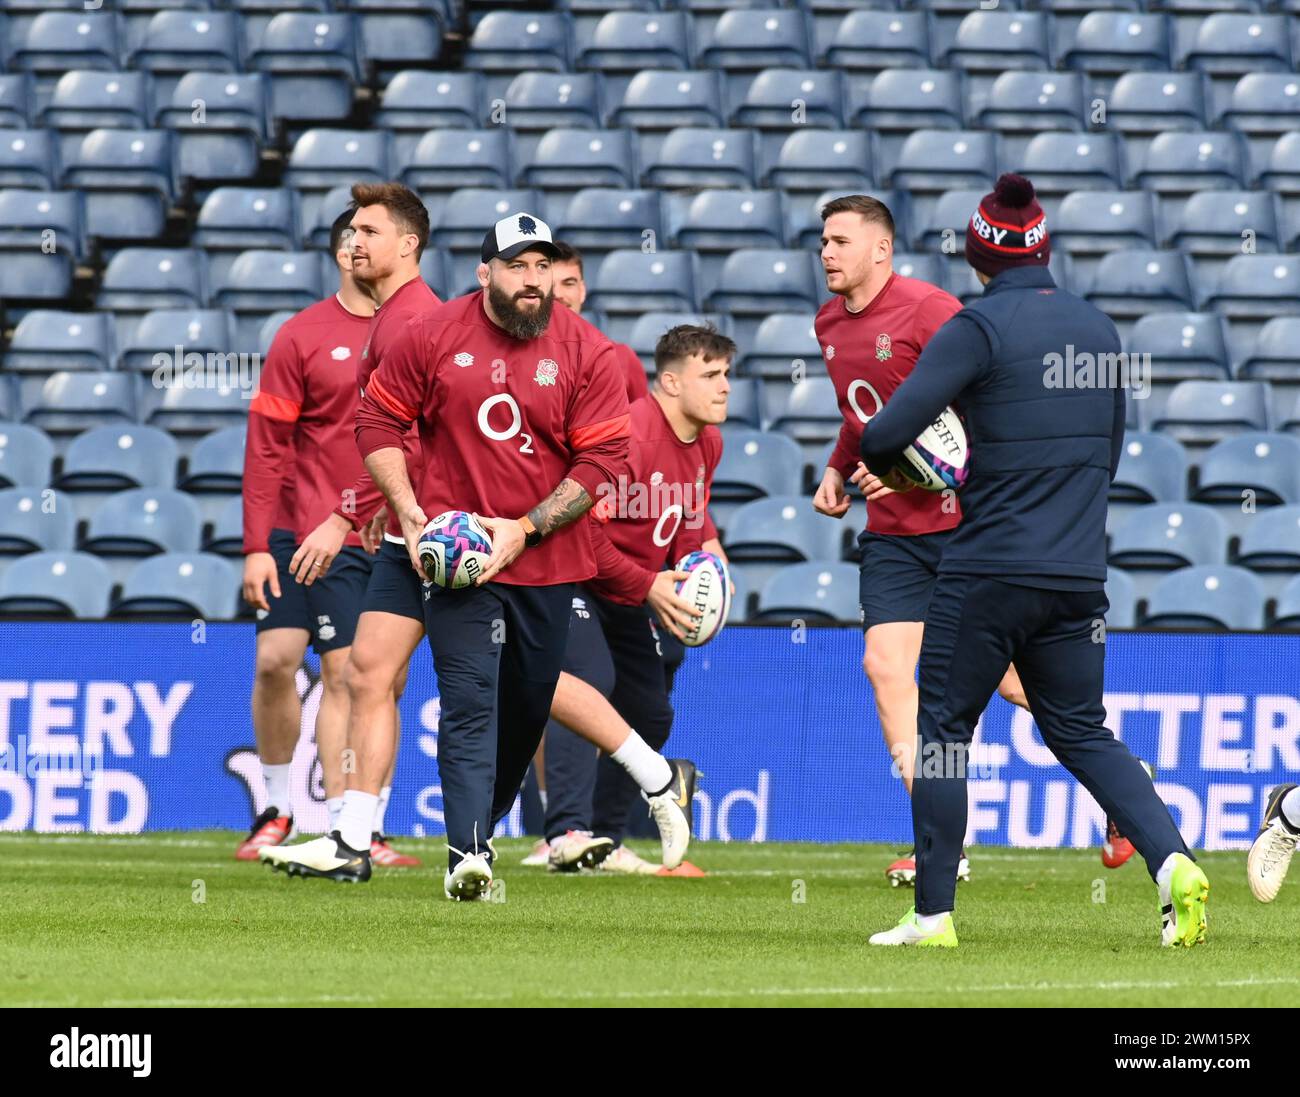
463,359
830,352
547,372
341,354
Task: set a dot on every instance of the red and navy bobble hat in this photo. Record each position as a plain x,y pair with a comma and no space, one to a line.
1008,230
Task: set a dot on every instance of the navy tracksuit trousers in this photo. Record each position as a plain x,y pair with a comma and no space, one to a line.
975,626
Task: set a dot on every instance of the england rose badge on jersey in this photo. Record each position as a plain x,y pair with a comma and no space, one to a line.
883,348
547,372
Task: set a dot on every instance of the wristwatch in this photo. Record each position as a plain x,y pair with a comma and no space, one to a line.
532,535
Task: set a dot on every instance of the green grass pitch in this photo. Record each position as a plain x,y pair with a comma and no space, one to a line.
114,921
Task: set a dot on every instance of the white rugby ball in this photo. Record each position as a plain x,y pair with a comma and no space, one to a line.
707,587
940,458
454,549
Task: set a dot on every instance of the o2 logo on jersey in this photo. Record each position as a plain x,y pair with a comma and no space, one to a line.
516,422
663,535
856,387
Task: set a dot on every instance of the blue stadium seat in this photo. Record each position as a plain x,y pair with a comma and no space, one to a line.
723,220
68,403
646,329
1165,536
391,39
513,41
180,583
1258,287
140,279
928,268
1122,596
144,521
449,159
1184,346
631,281
946,222
239,218
570,159
115,458
129,181
1271,541
58,584
271,324
315,232
1201,412
546,100
1266,464
939,160
178,42
690,158
656,100
783,340
819,591
217,463
1097,222
224,139
440,277
312,61
756,463
1152,469
1115,42
740,598
40,235
1214,222
1282,168
467,212
628,41
64,41
324,158
745,403
1287,614
804,216
746,41
999,41
1029,102
1206,597
264,281
26,454
1263,103
415,101
1128,284
93,100
17,100
869,41
760,281
47,340
783,528
34,519
161,331
1157,102
27,158
903,100
604,218
820,160
1234,44
1179,163
1062,162
226,536
810,413
770,100
1273,357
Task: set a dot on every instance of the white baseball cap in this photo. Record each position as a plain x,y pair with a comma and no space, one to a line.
518,233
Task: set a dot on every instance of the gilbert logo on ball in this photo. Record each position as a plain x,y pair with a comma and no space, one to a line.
454,549
707,589
940,457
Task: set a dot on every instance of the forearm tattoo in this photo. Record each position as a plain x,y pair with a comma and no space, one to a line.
568,502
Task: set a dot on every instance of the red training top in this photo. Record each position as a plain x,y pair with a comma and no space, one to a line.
633,370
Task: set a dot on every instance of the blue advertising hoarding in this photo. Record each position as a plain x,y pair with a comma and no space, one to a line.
124,728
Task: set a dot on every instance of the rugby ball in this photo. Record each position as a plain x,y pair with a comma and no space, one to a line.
454,549
940,458
707,587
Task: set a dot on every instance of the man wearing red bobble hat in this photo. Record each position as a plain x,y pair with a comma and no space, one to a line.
1022,578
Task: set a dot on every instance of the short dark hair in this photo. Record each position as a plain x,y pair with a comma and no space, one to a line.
873,211
342,223
403,205
687,339
567,253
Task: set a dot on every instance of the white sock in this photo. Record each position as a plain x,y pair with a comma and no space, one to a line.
647,767
334,805
382,807
277,786
931,922
1291,808
1166,871
356,818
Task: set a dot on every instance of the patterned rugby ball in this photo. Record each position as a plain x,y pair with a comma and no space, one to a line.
940,457
454,549
707,587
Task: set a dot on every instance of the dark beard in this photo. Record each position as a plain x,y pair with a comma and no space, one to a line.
517,322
